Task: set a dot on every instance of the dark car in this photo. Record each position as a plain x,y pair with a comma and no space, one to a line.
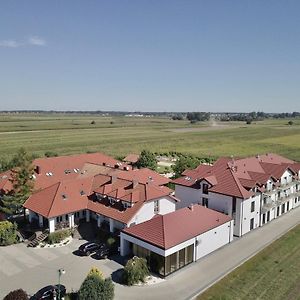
88,248
48,292
102,252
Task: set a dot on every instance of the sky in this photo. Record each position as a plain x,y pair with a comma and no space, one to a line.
225,55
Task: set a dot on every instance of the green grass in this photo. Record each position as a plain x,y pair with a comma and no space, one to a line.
274,274
118,136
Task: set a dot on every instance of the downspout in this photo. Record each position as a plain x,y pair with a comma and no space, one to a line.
242,217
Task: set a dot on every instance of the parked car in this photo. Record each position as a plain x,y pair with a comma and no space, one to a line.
103,252
49,291
89,248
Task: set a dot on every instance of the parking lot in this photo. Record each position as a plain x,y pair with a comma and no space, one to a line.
32,269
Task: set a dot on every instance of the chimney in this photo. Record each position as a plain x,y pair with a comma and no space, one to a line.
38,169
191,207
113,178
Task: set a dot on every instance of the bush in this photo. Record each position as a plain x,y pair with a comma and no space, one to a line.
8,233
58,236
17,295
50,154
290,123
136,270
95,288
96,272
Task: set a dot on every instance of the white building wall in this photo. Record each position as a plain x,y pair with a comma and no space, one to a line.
247,215
187,196
146,212
213,239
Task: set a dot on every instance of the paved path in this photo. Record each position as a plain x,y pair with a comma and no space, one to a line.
31,269
190,281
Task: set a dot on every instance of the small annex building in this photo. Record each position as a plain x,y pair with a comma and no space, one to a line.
174,240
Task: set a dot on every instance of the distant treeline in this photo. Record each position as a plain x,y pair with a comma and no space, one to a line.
246,117
191,116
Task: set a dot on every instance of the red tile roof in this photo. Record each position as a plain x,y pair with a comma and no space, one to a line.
5,182
167,231
75,191
131,158
235,177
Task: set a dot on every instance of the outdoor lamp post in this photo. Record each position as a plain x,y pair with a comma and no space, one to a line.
60,272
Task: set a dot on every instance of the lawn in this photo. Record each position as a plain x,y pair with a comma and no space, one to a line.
274,274
117,136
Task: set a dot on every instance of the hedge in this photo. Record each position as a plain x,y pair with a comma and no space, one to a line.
58,236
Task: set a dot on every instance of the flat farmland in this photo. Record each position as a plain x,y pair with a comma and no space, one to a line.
271,274
117,136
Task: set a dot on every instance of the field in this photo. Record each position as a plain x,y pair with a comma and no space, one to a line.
117,136
271,274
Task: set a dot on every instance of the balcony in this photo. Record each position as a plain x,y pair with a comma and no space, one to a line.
268,206
286,198
287,185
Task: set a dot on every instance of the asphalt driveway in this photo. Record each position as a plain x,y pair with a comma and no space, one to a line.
31,269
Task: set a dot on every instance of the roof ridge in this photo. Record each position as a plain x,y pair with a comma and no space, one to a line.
58,185
239,185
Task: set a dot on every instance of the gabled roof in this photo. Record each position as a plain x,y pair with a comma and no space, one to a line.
167,231
236,177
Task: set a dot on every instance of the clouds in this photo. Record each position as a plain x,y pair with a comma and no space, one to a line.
35,41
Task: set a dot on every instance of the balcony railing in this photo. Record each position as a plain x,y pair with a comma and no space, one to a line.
287,185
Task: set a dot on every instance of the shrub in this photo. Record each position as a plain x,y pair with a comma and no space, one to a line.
290,123
16,295
136,270
95,288
58,236
8,233
111,241
96,272
50,154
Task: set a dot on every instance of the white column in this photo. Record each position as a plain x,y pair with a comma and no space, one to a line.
99,220
87,215
52,225
124,246
30,216
111,225
71,220
41,221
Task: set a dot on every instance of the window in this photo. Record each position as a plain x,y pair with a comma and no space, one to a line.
205,188
252,206
233,205
156,207
268,216
264,218
282,208
278,211
251,223
205,202
288,206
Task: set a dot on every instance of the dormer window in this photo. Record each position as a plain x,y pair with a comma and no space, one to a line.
64,196
82,193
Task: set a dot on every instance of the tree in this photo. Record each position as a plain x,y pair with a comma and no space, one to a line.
96,288
147,160
8,233
290,123
136,270
16,295
22,183
184,163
